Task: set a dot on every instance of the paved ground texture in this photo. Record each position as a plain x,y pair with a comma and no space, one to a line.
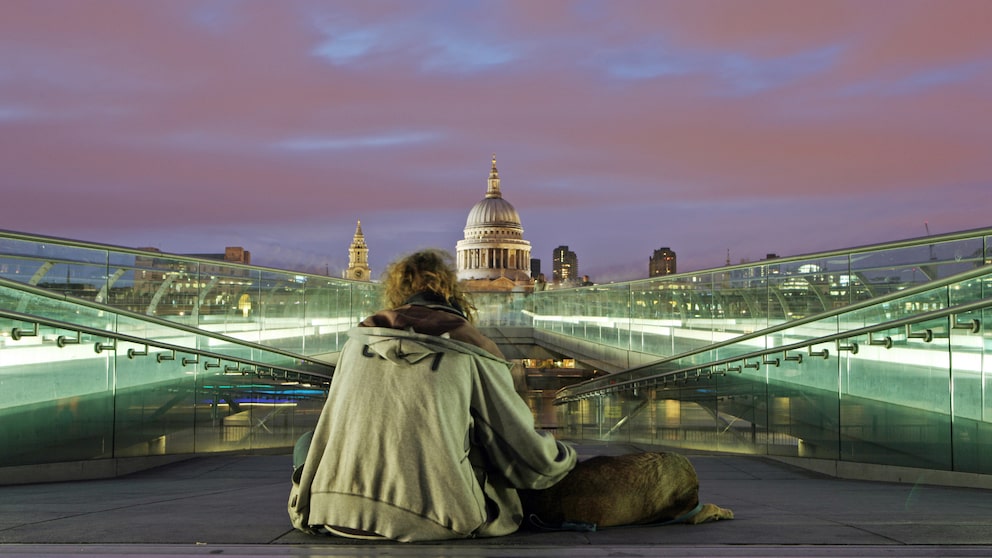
236,506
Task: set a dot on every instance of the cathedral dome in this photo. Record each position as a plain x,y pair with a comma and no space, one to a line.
493,212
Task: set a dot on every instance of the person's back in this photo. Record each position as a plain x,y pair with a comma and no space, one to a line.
423,436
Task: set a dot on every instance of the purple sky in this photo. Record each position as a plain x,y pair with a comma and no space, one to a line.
619,127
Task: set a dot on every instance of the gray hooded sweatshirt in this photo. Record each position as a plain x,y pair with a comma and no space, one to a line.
422,437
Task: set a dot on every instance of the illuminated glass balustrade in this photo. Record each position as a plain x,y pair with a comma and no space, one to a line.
81,382
738,384
904,379
674,314
303,313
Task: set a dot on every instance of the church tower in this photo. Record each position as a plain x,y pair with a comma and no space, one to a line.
358,258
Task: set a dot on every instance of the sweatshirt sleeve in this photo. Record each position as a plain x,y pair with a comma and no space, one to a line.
504,428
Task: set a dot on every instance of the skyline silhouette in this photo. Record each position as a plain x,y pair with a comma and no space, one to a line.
748,127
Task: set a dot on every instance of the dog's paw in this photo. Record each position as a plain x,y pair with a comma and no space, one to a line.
711,512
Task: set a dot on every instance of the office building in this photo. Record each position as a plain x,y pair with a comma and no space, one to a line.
565,266
662,262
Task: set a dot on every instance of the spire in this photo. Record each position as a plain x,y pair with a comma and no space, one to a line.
493,190
359,240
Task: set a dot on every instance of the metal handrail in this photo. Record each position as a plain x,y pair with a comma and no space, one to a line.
320,379
38,291
911,291
808,344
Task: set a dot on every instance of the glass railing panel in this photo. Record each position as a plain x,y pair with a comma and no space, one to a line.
695,410
500,309
176,406
240,412
897,413
803,289
154,406
573,324
701,319
749,286
814,285
883,271
971,384
955,257
56,404
740,401
680,414
666,417
367,299
54,308
802,403
118,289
971,377
739,294
227,299
903,307
616,409
328,314
73,270
801,386
653,301
68,396
165,287
784,337
590,419
279,309
612,304
597,314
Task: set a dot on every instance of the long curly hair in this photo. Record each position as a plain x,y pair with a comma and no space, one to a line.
425,271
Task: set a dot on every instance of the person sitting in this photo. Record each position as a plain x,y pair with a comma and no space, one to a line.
423,436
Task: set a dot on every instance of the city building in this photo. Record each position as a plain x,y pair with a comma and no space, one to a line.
494,256
358,258
662,262
232,254
565,266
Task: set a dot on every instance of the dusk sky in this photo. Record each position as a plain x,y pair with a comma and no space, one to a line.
619,127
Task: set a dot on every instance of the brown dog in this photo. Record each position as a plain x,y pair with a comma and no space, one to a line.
630,489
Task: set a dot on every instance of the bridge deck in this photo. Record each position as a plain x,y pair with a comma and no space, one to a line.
235,506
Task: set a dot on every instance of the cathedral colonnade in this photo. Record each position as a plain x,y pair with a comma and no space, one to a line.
486,258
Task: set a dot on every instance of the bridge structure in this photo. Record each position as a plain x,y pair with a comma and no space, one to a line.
862,361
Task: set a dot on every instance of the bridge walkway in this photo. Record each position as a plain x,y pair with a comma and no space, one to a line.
234,505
